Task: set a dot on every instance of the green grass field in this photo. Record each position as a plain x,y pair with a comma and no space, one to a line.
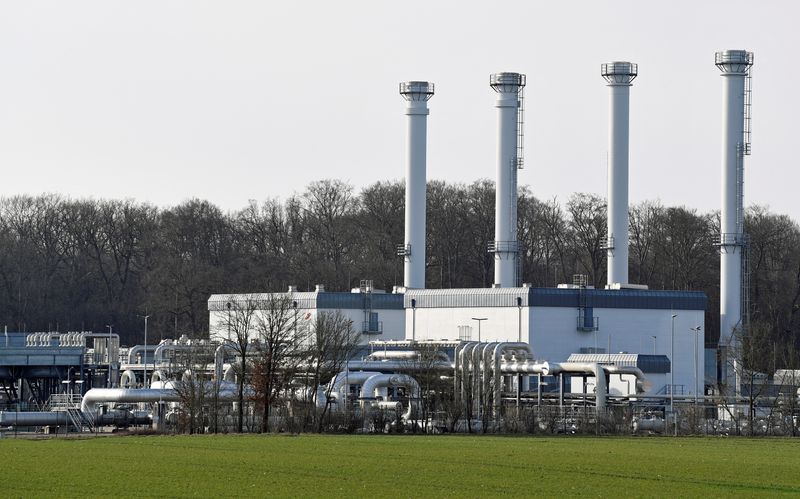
397,466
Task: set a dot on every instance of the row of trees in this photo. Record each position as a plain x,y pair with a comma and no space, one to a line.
87,264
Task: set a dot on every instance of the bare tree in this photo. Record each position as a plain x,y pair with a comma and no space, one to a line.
332,342
241,321
277,352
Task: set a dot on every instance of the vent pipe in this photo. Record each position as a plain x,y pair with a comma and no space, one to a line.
509,88
416,94
619,76
735,66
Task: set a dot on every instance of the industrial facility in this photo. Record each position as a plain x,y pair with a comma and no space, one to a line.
495,352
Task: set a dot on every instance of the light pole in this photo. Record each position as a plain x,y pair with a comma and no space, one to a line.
519,319
144,355
413,320
654,343
672,375
108,353
479,319
696,331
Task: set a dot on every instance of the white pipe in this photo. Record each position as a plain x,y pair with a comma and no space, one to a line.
507,86
388,380
619,76
120,395
341,382
601,385
219,358
734,66
127,379
411,355
384,366
416,94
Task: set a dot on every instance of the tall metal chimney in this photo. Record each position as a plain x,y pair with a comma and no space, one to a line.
619,76
416,94
735,67
509,88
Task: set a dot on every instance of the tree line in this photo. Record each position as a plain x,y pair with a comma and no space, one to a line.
86,264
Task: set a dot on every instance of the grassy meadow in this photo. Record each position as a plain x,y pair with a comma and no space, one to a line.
397,466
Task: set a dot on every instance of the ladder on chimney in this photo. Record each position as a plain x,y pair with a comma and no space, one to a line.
748,109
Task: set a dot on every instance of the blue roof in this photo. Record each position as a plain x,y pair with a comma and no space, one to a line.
556,297
619,298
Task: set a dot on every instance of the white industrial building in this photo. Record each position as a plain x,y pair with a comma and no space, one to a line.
375,314
560,322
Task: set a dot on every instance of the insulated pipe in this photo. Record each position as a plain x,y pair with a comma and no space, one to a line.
41,418
734,66
344,379
384,366
642,384
508,87
119,395
388,380
127,379
619,76
601,385
499,350
219,358
411,355
416,94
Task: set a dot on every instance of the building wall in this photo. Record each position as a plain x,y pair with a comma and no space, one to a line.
553,334
393,323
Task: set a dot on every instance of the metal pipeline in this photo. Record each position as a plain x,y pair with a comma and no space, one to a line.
172,394
342,381
127,379
597,370
388,380
387,366
409,355
219,358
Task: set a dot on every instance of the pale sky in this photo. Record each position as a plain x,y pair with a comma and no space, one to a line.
162,101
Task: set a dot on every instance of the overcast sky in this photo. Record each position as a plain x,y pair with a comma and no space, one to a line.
162,101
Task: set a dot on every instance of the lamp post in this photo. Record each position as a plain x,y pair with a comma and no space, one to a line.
672,375
654,343
696,331
413,320
479,319
519,319
144,355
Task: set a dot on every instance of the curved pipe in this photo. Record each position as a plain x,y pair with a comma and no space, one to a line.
127,379
230,375
388,380
342,380
597,370
643,385
139,349
157,376
219,358
122,395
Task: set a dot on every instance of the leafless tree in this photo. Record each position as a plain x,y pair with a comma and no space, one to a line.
332,342
277,352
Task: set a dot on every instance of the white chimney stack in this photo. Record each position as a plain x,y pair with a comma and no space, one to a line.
619,76
416,94
735,67
509,88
